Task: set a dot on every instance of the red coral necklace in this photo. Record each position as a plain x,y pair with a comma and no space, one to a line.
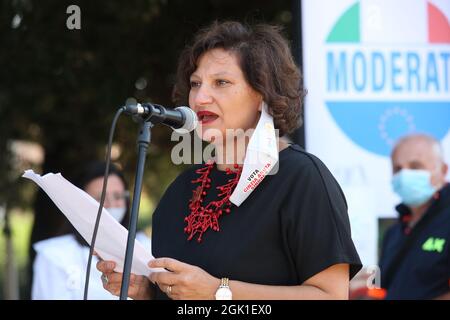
203,217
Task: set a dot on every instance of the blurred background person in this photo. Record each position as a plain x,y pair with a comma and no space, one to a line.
415,257
60,265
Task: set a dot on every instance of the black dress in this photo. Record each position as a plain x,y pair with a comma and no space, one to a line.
293,226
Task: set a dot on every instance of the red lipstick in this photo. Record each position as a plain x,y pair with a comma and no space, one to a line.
205,117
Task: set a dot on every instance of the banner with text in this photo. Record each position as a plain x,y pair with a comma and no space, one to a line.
375,70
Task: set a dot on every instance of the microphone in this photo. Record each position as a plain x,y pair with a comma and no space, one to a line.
181,119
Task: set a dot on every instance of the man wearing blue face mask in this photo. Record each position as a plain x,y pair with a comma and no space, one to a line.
415,259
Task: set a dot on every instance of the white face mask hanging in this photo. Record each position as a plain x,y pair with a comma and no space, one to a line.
261,157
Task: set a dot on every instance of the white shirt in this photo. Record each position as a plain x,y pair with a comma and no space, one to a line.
60,270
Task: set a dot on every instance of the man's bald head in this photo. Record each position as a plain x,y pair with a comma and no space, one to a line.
420,151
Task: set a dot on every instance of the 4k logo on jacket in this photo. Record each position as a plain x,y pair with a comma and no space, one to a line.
434,244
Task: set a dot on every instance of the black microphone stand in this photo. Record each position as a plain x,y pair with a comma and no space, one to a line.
143,141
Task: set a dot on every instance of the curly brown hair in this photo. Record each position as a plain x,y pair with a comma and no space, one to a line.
265,60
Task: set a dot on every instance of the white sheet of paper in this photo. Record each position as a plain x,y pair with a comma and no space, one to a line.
81,210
